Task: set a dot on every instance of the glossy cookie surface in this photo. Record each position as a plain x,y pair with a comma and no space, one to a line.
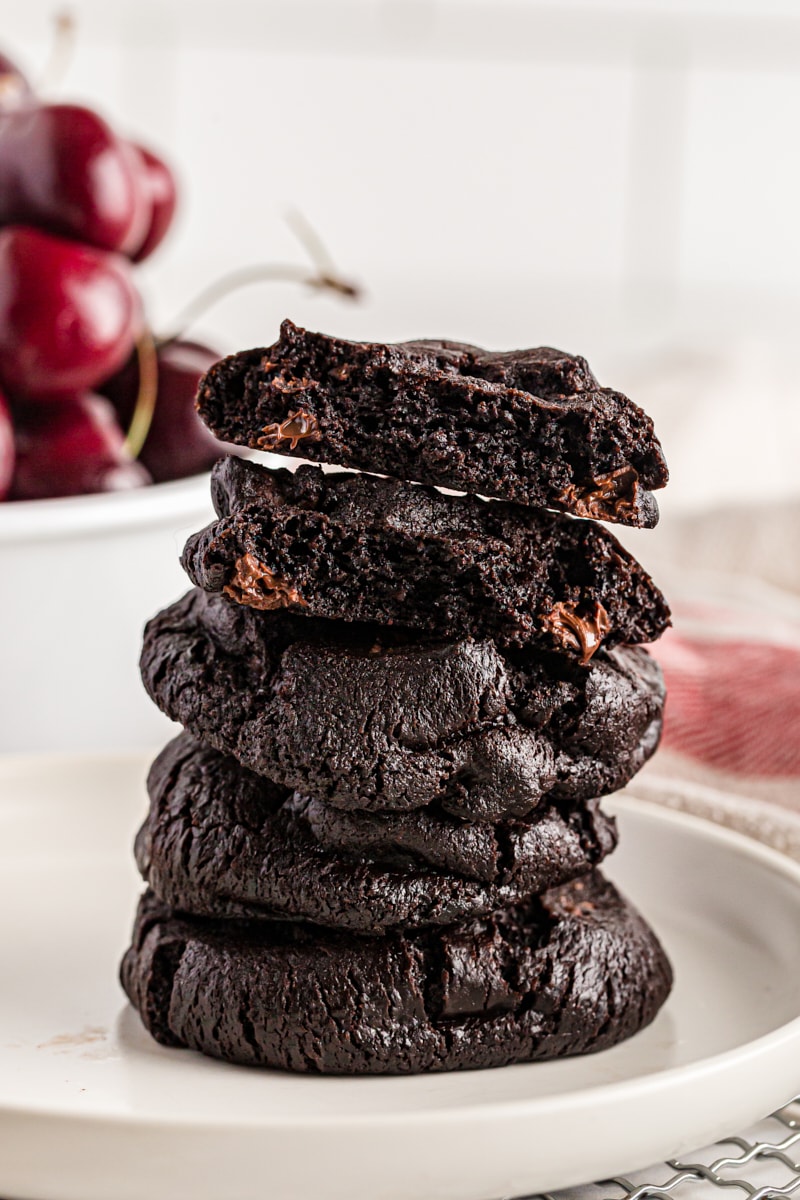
360,717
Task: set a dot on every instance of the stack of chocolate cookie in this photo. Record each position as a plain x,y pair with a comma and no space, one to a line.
375,846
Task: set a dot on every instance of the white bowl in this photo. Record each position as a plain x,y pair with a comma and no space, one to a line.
80,577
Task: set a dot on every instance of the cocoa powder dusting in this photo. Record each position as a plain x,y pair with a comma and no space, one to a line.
611,496
574,632
256,586
297,427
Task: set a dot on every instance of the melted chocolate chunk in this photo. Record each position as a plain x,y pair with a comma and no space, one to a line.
611,497
299,426
255,586
583,633
473,979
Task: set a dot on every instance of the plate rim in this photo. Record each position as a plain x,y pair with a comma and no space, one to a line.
740,843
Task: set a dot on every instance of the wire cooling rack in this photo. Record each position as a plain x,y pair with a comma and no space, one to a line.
759,1165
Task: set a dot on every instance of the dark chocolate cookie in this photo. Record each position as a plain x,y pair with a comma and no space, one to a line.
363,548
221,841
532,426
357,717
572,972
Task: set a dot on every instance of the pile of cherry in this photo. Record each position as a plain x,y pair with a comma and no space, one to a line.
79,206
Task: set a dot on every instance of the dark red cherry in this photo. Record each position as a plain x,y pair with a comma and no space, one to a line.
70,448
15,91
158,184
178,443
6,448
62,169
69,314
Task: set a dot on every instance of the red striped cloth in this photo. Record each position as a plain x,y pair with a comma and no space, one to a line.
732,669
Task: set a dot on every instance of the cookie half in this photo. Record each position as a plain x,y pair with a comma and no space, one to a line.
363,548
364,718
221,841
572,972
532,426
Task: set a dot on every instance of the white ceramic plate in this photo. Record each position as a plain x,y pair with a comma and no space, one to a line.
92,1109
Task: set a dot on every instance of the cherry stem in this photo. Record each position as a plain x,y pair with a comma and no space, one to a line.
61,51
310,240
142,419
323,278
244,277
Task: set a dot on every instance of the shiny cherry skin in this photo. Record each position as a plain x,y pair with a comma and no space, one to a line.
69,314
178,443
71,448
63,170
15,91
6,447
158,184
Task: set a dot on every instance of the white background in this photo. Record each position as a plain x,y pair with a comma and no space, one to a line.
620,180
